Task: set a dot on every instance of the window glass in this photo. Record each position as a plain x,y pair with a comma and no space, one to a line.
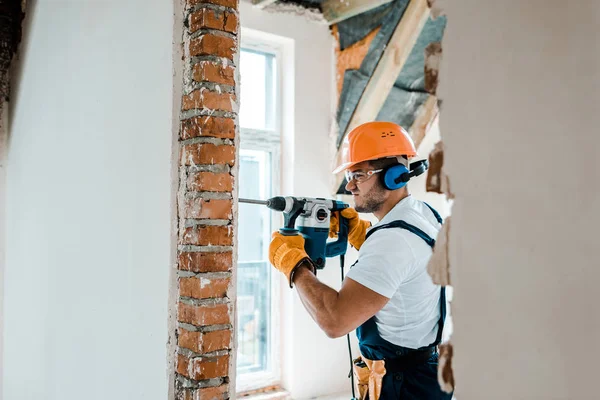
259,153
254,272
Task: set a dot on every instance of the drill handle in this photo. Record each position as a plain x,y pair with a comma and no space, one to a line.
340,246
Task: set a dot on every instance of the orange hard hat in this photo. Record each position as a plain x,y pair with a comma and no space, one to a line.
373,140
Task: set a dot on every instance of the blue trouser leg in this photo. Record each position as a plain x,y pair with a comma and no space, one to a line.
420,383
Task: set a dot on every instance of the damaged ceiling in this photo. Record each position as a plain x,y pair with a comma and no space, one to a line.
387,58
410,89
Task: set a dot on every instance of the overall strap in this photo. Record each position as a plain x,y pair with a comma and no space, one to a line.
431,242
435,213
404,225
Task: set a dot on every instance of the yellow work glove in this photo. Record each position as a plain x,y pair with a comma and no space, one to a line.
286,253
357,228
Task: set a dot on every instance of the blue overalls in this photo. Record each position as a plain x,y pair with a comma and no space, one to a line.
410,374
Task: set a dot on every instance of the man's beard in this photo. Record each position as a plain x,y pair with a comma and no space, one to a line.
372,201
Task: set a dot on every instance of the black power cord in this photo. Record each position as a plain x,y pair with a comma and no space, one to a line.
351,374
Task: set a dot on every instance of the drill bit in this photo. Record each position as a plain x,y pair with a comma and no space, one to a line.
251,201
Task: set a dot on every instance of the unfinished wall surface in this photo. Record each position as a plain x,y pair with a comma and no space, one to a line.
88,203
204,360
521,86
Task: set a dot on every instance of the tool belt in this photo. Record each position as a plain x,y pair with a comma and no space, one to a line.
368,374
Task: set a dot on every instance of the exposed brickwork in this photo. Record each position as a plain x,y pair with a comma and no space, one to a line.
214,393
208,235
205,342
231,23
203,288
208,18
199,208
208,127
204,98
205,262
209,393
208,154
202,368
207,162
213,45
210,182
207,71
202,315
225,3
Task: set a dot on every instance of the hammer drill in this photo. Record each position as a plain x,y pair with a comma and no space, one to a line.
313,224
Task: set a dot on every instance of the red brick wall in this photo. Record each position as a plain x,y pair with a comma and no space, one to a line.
207,136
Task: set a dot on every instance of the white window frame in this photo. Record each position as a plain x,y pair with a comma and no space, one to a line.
269,141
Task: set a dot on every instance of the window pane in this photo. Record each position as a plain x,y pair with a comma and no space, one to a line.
257,90
254,271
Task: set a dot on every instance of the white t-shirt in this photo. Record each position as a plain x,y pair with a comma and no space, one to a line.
393,263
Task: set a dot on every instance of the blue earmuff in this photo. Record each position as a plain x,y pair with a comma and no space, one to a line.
397,176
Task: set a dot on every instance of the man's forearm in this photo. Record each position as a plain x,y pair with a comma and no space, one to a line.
319,300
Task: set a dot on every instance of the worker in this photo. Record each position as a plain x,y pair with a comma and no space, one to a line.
387,295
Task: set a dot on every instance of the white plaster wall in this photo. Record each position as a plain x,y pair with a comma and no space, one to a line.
312,364
88,193
521,86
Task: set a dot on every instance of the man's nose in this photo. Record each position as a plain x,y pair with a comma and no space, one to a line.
350,185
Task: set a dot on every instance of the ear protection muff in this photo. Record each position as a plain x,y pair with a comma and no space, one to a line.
397,176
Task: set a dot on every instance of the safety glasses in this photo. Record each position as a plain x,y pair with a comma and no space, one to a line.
361,176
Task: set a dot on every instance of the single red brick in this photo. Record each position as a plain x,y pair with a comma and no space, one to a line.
207,18
203,288
208,126
207,154
182,365
210,235
206,71
208,368
210,182
190,340
204,98
216,314
213,45
225,3
231,22
216,340
212,393
205,342
205,262
208,209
